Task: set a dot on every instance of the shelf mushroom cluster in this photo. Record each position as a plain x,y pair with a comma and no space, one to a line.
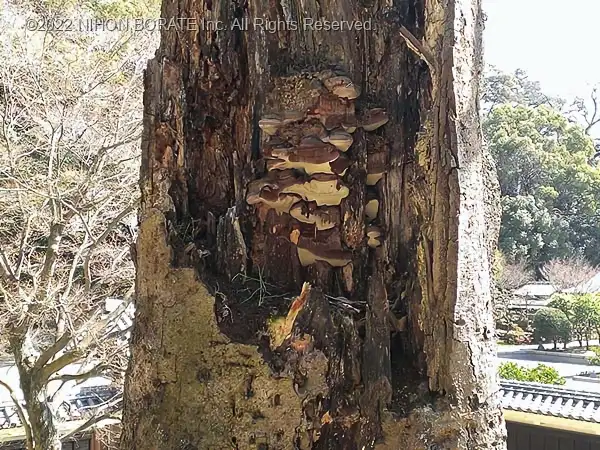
306,159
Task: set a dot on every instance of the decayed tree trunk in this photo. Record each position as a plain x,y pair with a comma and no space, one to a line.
249,191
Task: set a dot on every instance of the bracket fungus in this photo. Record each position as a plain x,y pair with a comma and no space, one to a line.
310,252
324,189
341,139
293,134
376,167
270,124
324,218
371,207
311,156
268,191
374,236
373,119
306,155
272,199
349,124
333,112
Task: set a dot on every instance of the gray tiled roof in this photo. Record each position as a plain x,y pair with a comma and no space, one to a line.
550,400
535,290
74,408
590,286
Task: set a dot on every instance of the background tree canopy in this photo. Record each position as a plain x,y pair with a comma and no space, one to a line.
549,178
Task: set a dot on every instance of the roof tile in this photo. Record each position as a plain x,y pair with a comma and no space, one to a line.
550,400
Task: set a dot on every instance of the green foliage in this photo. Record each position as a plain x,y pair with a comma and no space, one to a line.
595,360
563,302
552,324
585,316
530,231
582,310
540,374
514,88
550,192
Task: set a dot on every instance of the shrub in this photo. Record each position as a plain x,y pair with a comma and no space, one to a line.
516,336
553,325
540,374
595,360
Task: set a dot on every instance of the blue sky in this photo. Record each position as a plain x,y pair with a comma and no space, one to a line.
555,41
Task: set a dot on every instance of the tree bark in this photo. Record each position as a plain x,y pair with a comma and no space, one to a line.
394,349
40,417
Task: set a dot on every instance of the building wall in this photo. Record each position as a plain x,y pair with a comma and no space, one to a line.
529,437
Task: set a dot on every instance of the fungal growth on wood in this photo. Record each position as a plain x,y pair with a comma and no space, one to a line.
377,162
307,149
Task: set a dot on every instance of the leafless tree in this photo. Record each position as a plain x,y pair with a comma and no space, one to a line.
587,110
513,275
569,272
70,115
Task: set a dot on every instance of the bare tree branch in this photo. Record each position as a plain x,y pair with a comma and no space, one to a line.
420,49
5,269
94,372
90,423
51,351
569,272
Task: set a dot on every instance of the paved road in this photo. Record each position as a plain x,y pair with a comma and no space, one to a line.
516,348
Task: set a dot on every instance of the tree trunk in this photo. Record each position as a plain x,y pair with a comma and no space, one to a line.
44,432
390,345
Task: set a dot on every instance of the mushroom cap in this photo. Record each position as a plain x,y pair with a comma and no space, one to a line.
310,252
377,165
275,146
372,208
374,235
324,218
341,139
314,148
272,199
333,111
349,123
270,123
324,189
340,165
374,118
309,153
308,168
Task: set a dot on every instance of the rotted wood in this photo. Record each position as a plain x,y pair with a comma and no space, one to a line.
316,169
